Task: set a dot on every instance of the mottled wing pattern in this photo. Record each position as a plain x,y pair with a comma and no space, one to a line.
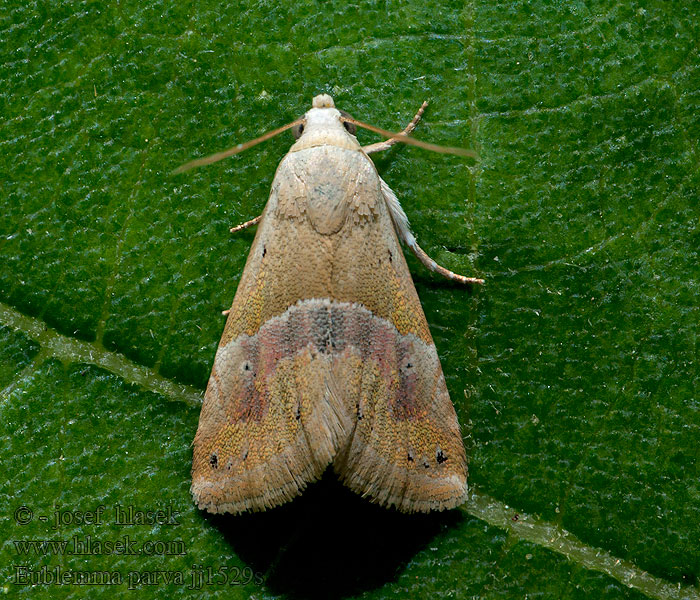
271,420
326,357
406,449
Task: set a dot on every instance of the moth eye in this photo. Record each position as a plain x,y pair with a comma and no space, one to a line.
352,130
297,130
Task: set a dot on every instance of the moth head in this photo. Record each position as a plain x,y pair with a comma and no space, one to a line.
324,125
325,101
322,101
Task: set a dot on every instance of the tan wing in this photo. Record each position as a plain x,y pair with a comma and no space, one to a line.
406,449
326,357
271,421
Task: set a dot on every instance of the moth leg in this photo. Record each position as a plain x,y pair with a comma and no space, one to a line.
236,229
433,266
385,145
403,231
245,225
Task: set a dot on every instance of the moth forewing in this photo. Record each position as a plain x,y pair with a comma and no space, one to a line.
326,357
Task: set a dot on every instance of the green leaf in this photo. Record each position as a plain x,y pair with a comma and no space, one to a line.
573,370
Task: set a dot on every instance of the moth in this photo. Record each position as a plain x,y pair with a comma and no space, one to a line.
326,358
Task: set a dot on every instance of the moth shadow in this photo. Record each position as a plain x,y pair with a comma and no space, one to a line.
329,542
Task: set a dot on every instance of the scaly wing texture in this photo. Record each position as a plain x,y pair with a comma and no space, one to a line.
271,420
406,449
326,357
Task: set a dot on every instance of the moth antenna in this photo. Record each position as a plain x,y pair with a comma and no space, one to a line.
207,160
405,139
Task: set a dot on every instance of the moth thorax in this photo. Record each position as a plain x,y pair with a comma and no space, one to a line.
323,101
